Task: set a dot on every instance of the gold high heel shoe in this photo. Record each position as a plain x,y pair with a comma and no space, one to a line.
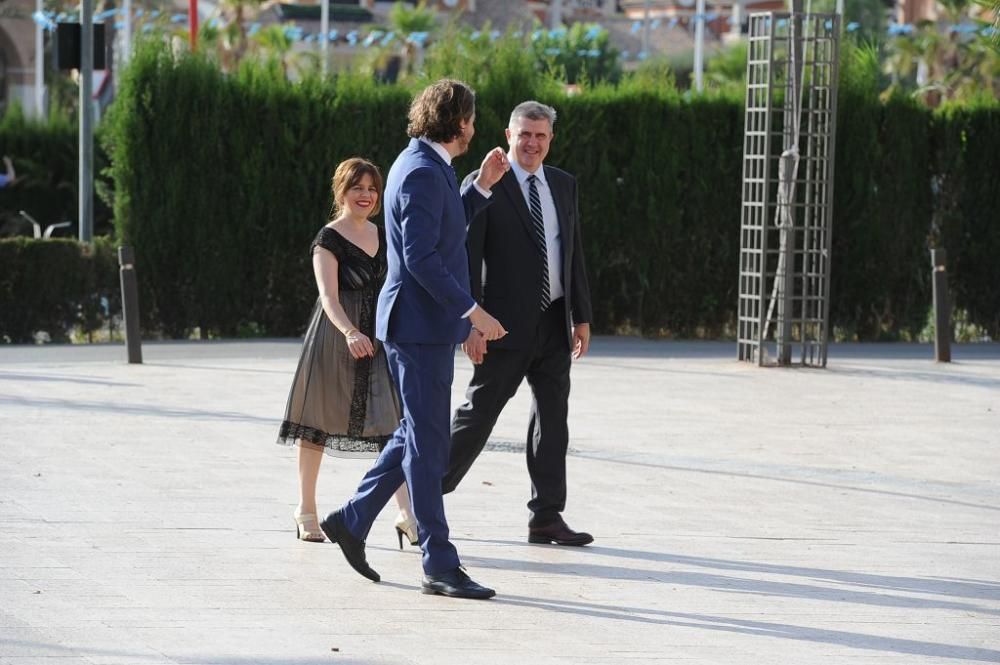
407,527
307,529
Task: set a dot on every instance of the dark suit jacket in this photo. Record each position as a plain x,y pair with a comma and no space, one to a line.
426,290
502,245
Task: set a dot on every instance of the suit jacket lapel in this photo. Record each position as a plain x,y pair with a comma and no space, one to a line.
513,190
565,228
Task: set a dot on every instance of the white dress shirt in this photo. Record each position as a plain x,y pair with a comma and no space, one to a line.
549,217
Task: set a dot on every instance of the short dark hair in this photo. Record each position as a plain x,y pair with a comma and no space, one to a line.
438,111
349,173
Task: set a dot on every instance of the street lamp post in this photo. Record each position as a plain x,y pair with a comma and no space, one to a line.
645,28
39,61
324,38
127,30
86,188
699,44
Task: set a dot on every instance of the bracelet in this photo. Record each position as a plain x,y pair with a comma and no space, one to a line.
350,331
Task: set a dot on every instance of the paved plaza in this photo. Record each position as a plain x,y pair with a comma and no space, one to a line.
741,515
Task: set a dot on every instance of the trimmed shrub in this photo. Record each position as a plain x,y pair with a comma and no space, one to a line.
221,182
55,286
880,283
968,219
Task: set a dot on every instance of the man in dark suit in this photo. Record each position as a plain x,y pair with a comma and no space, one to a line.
424,310
526,259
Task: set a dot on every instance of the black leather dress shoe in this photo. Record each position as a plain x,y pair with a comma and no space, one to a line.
353,549
558,533
456,584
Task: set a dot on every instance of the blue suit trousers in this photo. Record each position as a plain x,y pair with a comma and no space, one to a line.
417,453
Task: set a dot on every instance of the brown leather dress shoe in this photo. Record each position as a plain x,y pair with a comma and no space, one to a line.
558,533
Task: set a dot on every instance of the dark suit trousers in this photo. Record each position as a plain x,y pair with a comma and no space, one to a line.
546,366
417,452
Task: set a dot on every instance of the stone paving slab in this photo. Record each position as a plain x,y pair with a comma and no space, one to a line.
741,515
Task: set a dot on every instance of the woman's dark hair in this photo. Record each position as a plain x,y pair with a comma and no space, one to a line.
438,111
349,173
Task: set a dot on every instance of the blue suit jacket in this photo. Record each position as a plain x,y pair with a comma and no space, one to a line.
426,290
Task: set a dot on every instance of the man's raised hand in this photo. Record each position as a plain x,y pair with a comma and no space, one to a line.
494,165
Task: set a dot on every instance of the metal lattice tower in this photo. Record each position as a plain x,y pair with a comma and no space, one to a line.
788,150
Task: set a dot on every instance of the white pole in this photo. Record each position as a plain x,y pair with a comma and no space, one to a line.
555,14
736,25
840,9
324,38
39,63
127,31
645,28
699,44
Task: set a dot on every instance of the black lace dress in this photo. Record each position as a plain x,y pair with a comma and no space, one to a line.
348,406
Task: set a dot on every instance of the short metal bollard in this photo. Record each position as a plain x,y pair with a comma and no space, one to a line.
942,307
130,303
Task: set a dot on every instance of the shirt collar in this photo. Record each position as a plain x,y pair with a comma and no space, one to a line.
438,148
522,175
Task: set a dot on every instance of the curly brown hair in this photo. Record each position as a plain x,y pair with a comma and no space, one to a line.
438,111
349,173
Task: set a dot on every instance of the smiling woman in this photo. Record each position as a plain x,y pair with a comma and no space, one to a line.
342,399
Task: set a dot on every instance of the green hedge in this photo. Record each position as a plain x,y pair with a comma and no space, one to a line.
968,217
222,181
880,279
57,286
660,197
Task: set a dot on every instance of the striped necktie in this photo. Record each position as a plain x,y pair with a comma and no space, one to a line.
539,221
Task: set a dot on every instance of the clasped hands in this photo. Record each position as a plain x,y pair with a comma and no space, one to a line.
475,345
485,328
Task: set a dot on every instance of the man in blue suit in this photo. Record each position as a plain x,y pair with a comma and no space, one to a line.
424,310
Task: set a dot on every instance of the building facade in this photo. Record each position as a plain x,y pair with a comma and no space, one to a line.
17,54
